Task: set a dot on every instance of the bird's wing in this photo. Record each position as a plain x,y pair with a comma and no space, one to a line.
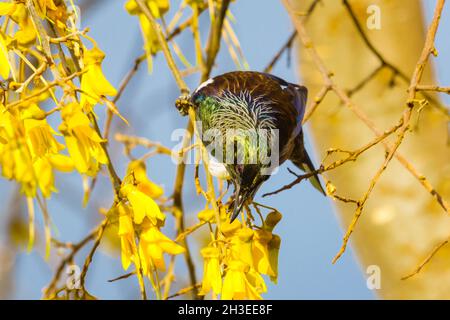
302,161
299,155
299,96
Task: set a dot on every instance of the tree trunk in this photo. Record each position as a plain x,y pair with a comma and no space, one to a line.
401,222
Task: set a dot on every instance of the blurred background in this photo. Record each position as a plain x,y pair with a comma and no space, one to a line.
311,231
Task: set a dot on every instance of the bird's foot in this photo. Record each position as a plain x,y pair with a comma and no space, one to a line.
183,103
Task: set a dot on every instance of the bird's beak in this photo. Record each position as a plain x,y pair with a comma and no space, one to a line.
239,202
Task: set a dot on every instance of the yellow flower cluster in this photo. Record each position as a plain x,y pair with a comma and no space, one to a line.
28,145
29,151
233,265
140,219
17,12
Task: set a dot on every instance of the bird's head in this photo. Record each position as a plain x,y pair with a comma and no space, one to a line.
247,179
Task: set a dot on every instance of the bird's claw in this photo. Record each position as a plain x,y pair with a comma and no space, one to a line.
183,103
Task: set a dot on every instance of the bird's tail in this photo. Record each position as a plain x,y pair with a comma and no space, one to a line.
302,160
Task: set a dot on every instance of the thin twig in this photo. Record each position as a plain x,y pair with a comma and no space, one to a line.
124,276
433,88
75,248
427,259
288,44
98,237
351,156
165,48
185,290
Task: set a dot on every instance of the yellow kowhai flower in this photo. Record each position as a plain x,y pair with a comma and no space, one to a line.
4,60
151,42
272,220
195,2
40,139
44,175
17,11
260,252
126,233
140,191
83,142
229,229
61,162
274,249
5,121
152,245
94,84
59,16
30,109
137,175
44,155
241,246
267,246
7,8
3,135
241,282
206,215
45,5
15,158
158,8
17,165
256,281
27,34
212,276
29,153
143,205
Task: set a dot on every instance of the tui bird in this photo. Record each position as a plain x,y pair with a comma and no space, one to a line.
261,115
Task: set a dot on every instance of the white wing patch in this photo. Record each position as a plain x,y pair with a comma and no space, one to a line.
204,84
217,169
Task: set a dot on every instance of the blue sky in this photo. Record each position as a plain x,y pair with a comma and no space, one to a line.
310,231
